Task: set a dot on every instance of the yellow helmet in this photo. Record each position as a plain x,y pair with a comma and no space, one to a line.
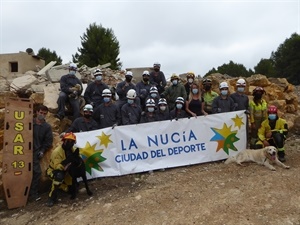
190,75
174,76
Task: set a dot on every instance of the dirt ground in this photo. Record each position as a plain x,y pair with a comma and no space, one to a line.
210,193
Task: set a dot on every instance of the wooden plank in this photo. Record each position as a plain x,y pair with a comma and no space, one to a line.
17,151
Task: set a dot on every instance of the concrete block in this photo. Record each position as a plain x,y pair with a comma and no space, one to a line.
51,92
22,82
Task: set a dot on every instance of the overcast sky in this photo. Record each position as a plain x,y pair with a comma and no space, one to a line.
182,35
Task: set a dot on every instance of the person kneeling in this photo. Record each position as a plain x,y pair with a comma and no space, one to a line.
272,132
57,170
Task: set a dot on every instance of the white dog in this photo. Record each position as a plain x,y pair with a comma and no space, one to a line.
263,156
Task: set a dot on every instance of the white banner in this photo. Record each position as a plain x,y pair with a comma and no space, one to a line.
150,146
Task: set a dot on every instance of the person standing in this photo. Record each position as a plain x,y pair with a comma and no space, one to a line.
190,77
195,103
208,95
42,141
174,91
107,114
143,88
93,92
158,77
258,113
123,87
241,101
131,111
223,103
71,89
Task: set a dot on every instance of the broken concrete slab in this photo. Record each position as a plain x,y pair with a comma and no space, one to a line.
23,82
45,68
51,92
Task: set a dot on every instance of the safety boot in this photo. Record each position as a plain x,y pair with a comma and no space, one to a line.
281,155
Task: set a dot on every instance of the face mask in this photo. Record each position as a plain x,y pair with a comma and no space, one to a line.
145,79
179,106
190,80
258,95
106,99
98,78
87,116
175,82
195,91
130,101
224,92
153,95
41,117
272,116
150,109
72,72
67,145
156,69
128,78
162,108
207,87
240,89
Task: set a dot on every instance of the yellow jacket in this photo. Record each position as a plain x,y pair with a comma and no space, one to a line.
280,126
57,156
258,112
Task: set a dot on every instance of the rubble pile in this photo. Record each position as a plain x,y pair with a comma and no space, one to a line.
43,88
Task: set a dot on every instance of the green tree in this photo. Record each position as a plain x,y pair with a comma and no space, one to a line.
232,69
49,56
287,59
99,46
265,67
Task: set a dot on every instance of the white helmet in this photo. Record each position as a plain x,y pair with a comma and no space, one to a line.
88,107
106,92
150,102
131,93
156,64
180,100
72,66
153,90
162,101
241,82
97,72
129,73
146,72
223,85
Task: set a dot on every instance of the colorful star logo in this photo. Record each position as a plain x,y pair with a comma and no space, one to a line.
225,138
238,121
91,156
104,139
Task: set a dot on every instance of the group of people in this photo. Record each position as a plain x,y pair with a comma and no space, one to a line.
147,101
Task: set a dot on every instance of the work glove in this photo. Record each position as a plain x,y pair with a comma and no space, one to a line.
40,154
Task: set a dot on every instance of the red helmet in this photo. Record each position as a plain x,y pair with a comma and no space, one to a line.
272,109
